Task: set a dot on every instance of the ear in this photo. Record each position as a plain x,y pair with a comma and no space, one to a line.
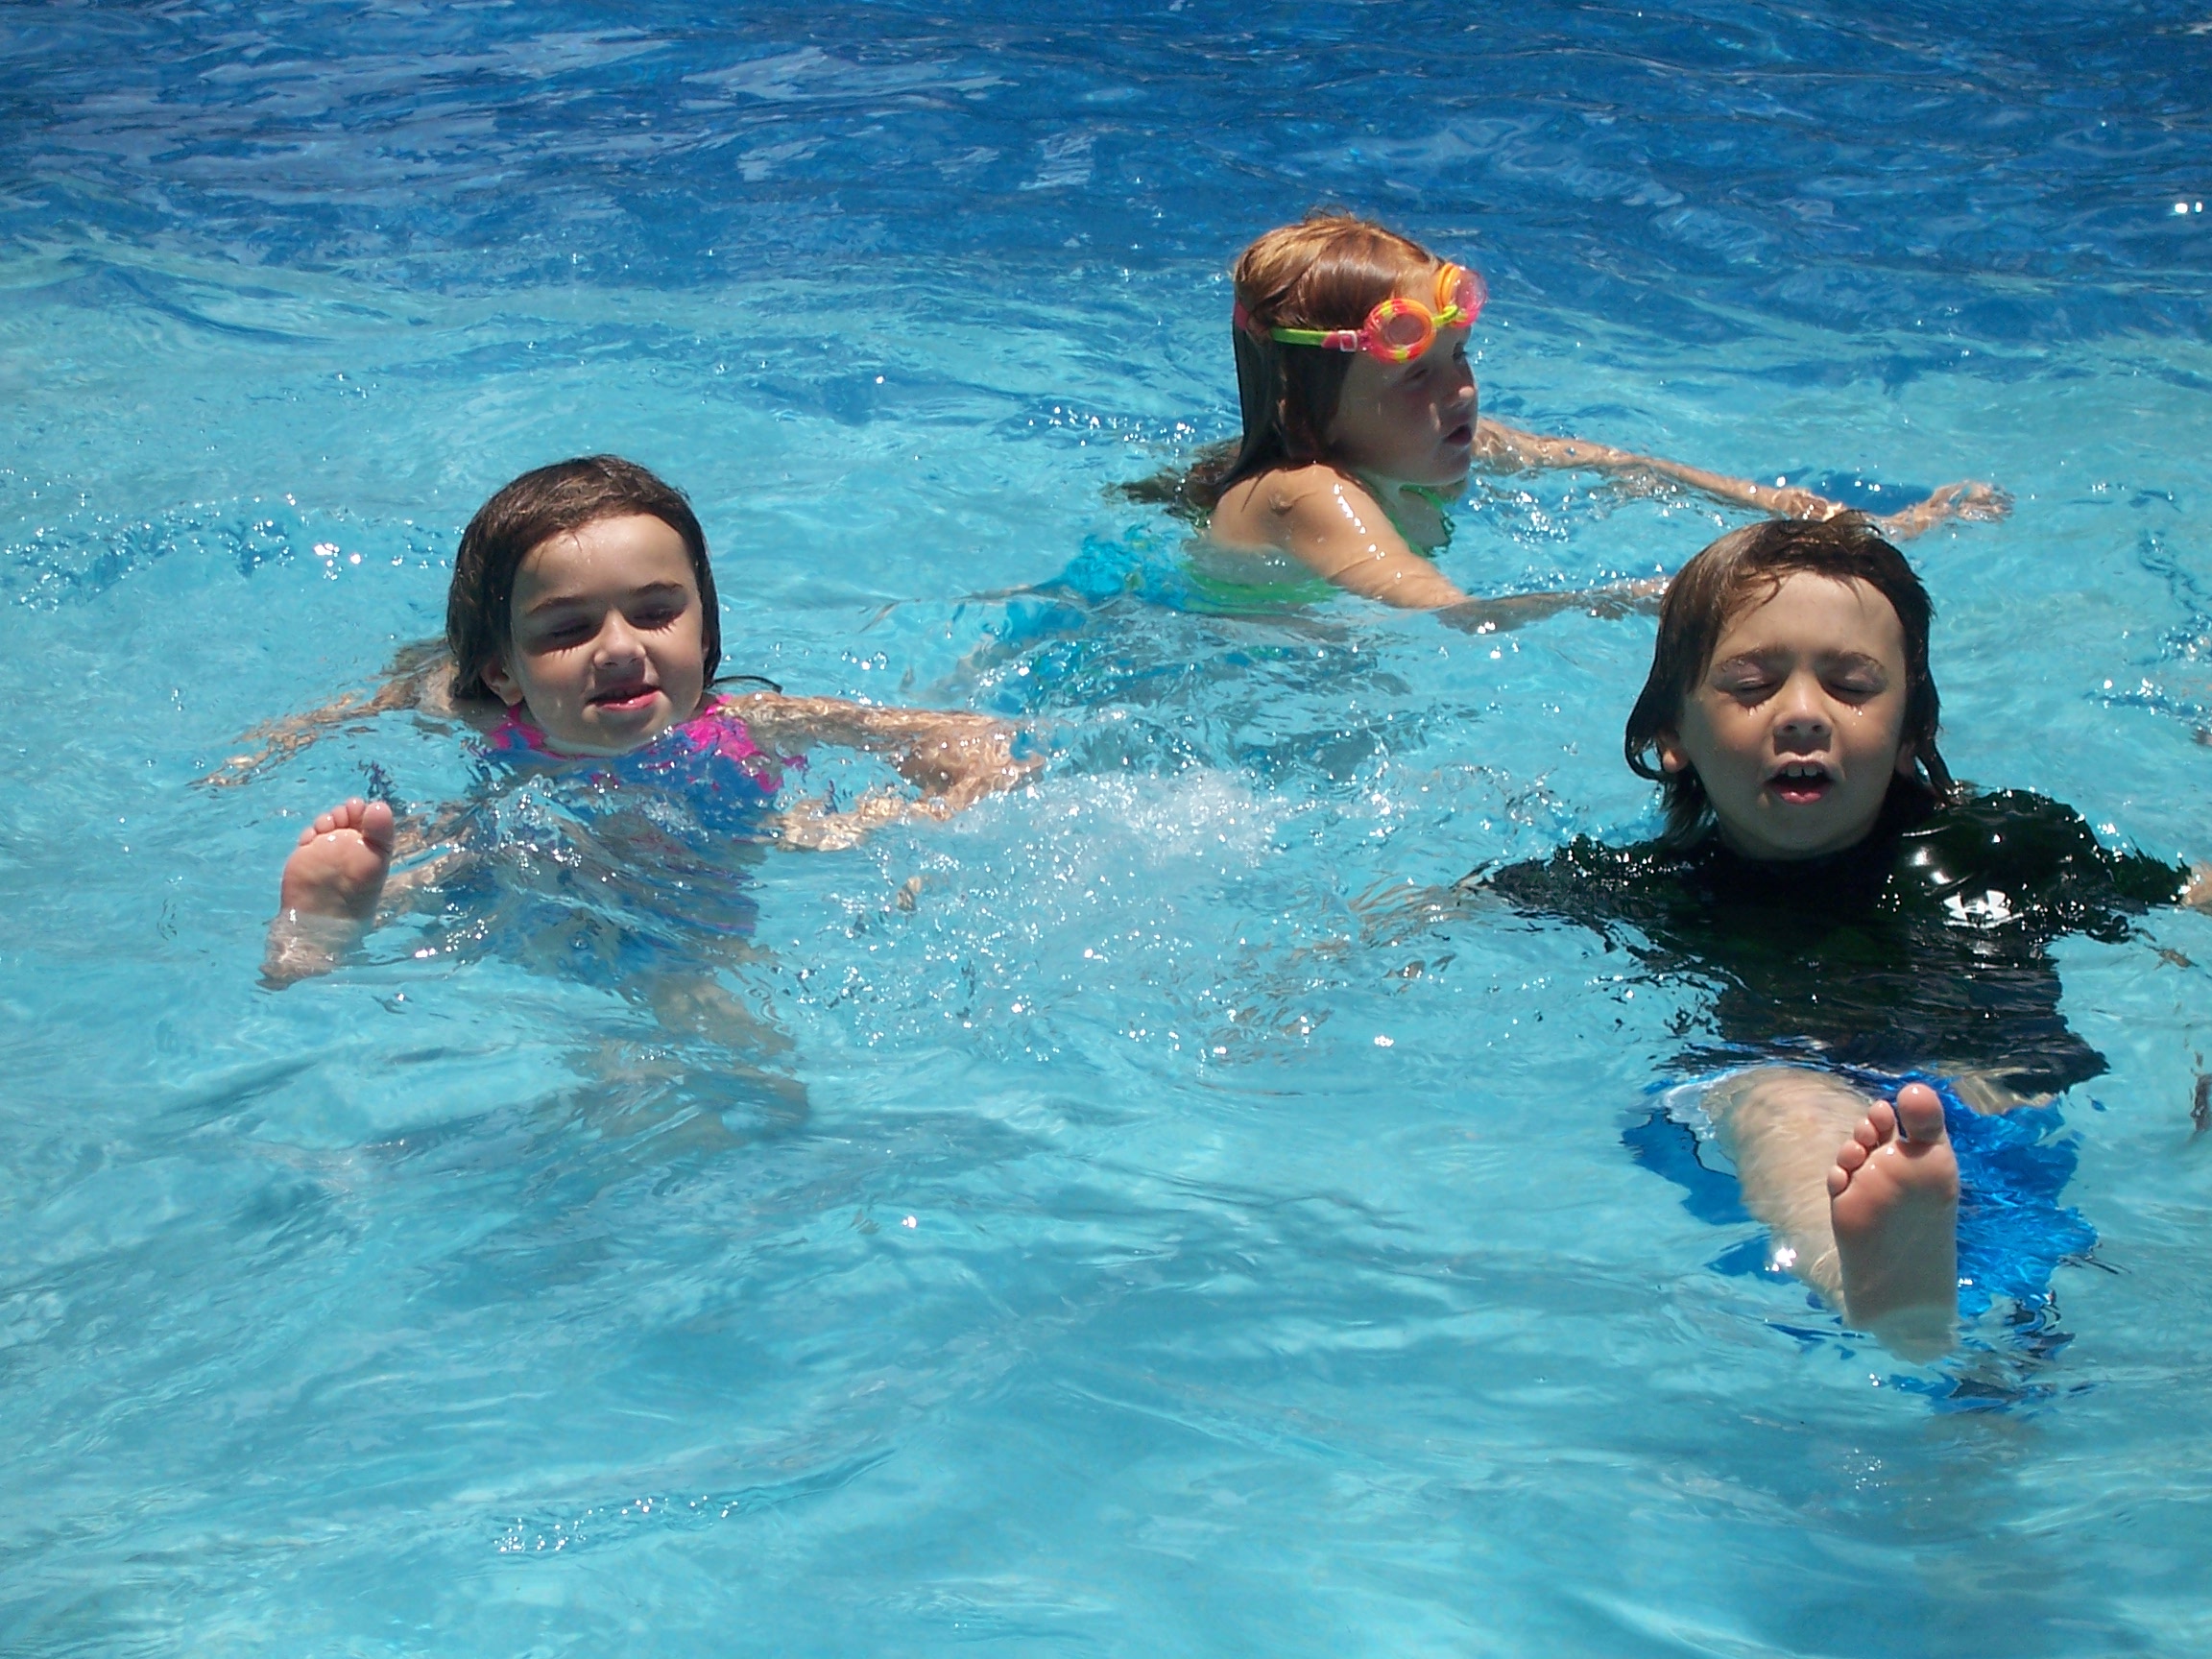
1906,756
504,685
1673,756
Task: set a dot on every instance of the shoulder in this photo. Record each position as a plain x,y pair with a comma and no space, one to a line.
2011,825
1269,508
1586,872
2044,855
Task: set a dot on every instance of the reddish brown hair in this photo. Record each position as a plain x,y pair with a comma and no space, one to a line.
1746,566
1328,271
553,502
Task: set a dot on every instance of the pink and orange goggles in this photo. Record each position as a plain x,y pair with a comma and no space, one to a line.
1398,330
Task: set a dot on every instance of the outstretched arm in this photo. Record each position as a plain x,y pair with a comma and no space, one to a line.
420,677
1330,523
1640,596
1508,448
954,759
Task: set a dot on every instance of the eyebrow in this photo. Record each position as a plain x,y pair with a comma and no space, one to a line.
651,590
1758,658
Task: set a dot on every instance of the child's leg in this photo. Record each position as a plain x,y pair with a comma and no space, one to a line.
1863,1195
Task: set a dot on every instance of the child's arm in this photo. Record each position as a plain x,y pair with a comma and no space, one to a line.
1508,448
954,758
420,677
1333,526
1642,594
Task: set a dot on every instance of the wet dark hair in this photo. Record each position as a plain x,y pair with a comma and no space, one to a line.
1328,271
1747,566
551,501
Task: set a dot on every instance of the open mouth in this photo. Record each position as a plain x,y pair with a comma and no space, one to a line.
1801,782
1461,436
625,699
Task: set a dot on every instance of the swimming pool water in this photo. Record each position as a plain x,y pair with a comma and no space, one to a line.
1122,1223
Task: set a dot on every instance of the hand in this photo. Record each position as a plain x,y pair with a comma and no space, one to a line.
1616,599
809,823
1800,503
1970,500
1639,596
967,759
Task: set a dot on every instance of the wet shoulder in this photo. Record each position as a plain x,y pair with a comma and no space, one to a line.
1265,513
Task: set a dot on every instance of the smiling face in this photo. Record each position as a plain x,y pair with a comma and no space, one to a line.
1408,423
604,646
1798,726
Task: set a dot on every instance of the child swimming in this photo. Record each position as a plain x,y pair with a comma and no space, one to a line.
1876,936
582,627
1361,420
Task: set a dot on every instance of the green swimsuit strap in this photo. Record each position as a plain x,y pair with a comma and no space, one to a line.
1435,499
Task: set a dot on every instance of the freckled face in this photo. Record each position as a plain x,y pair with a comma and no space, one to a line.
1408,423
606,647
1799,725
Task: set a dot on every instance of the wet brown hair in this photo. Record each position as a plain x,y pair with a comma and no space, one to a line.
551,501
1745,567
1328,271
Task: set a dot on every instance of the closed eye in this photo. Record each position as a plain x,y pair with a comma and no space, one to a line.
554,636
1855,677
1746,686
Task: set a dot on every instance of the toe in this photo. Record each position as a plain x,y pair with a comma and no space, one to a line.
377,826
1851,1154
1882,1120
1921,1111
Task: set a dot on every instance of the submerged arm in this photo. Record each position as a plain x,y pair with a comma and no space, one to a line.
954,759
1509,448
420,677
1333,526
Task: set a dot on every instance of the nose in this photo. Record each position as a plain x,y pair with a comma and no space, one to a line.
616,644
1801,717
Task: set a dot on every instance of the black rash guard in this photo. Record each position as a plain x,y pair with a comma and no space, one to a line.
1923,946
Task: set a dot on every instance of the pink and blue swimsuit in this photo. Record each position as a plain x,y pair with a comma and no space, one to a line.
709,761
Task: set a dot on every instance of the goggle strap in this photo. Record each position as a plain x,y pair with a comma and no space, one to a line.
1452,280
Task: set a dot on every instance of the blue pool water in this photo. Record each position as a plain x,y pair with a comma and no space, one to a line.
1150,1241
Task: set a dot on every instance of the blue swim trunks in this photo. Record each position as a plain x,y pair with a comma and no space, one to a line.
2013,1166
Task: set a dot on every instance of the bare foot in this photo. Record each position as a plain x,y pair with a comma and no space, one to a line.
339,867
1893,1201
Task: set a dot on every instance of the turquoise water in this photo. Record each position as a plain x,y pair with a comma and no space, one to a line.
1151,1240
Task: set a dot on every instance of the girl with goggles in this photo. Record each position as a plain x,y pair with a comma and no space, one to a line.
1361,421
